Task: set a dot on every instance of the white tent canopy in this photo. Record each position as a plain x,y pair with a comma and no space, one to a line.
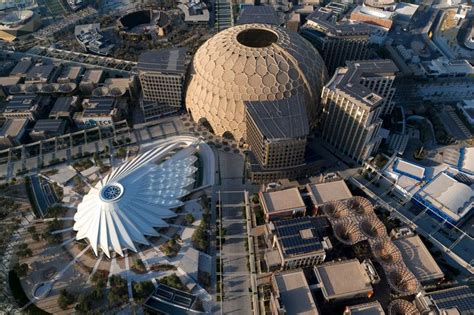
135,198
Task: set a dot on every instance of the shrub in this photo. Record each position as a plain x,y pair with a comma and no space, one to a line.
189,218
65,299
173,281
21,270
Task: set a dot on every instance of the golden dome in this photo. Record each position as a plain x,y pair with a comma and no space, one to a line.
252,62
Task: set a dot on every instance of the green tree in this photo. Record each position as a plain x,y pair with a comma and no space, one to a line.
21,270
65,299
189,218
83,303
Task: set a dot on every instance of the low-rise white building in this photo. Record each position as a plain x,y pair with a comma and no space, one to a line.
447,196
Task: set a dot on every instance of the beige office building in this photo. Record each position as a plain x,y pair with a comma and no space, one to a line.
352,107
336,41
162,75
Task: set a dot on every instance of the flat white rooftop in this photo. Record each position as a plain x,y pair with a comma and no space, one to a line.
418,259
409,169
467,163
330,191
444,192
282,200
295,294
345,279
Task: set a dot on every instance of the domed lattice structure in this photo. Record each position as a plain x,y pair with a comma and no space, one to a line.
134,199
402,307
360,206
385,252
347,232
335,210
402,281
252,62
372,227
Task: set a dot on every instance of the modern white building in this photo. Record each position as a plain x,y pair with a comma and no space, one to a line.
124,208
407,177
447,197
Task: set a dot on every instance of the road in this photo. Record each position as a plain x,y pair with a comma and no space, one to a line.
234,253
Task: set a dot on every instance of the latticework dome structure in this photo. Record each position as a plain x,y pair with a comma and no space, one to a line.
402,307
380,4
359,206
385,252
401,280
252,62
335,210
372,227
347,232
134,199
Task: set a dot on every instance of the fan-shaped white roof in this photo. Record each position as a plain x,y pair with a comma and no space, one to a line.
134,199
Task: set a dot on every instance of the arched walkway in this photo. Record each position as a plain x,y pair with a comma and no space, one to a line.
205,123
228,135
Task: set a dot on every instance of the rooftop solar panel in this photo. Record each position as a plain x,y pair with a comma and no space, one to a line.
291,239
461,298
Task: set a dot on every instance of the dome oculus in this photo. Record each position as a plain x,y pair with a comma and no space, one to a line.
257,38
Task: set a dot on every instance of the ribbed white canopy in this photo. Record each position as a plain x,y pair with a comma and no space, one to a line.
126,206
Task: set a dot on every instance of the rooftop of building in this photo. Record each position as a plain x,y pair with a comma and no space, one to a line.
282,200
22,67
49,125
373,308
9,81
280,119
329,191
40,72
258,14
327,19
295,294
460,158
334,279
409,169
12,127
21,102
467,158
444,66
448,195
168,300
92,76
373,12
348,79
64,104
460,298
194,11
406,175
169,60
69,74
98,105
301,236
418,259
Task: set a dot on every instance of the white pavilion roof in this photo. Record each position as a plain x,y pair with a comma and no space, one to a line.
134,199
